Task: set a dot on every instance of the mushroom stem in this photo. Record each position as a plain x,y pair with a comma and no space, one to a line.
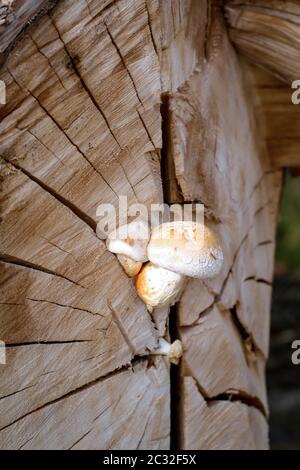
172,350
130,240
131,267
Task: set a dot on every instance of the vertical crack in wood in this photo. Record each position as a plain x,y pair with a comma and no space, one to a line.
174,386
171,190
171,194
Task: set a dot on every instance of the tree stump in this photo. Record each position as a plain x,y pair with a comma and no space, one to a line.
145,99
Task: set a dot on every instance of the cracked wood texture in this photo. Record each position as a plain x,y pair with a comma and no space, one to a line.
280,117
216,143
82,126
15,15
267,32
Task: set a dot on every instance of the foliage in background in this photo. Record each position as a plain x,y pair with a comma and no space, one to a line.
288,234
282,376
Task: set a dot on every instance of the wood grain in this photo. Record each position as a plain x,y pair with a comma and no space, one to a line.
221,159
134,416
81,127
220,425
144,99
268,34
279,116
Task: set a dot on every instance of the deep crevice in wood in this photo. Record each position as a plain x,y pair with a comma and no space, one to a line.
150,27
248,342
27,264
45,8
266,242
76,211
175,385
232,395
259,280
33,343
17,391
147,132
264,281
73,64
171,190
129,366
168,177
36,98
64,306
240,396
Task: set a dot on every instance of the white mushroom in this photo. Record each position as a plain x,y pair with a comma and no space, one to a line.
131,267
157,286
187,248
173,351
130,240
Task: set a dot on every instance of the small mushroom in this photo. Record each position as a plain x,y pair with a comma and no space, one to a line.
131,267
187,248
172,350
130,240
157,286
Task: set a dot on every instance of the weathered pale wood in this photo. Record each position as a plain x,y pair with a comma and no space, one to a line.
183,29
134,415
91,87
268,34
15,15
81,127
279,115
215,343
220,159
220,425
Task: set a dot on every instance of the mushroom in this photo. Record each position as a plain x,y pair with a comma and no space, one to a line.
187,248
157,286
172,350
129,243
131,267
130,240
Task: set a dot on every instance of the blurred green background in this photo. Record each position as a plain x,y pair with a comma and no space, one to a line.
288,235
283,377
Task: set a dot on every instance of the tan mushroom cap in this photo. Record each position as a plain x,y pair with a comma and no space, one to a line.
187,248
130,240
157,286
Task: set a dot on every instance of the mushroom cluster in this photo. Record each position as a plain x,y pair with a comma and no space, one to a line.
162,262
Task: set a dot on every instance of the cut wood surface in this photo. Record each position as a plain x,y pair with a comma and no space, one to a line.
144,99
267,32
218,148
279,116
81,127
15,15
220,425
102,414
